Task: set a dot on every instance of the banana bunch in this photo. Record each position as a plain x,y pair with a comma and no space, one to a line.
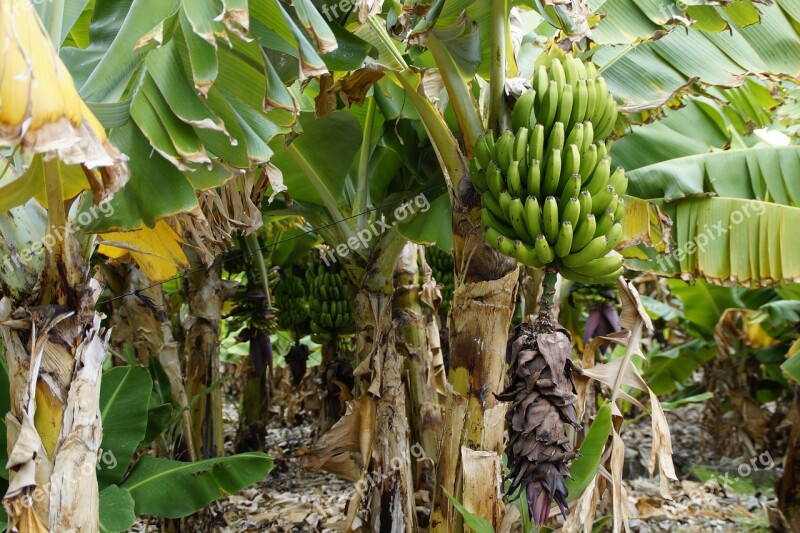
290,299
329,304
548,193
441,264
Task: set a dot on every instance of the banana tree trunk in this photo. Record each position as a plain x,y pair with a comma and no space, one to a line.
789,484
144,324
470,466
412,345
207,294
256,394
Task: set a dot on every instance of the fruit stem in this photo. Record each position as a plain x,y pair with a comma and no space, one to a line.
546,304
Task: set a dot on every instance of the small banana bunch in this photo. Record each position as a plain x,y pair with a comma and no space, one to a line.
441,264
548,194
290,299
329,305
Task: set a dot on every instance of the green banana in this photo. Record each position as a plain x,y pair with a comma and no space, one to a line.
527,255
514,180
490,141
479,181
591,251
565,105
556,140
523,113
482,152
521,144
598,181
614,237
558,75
533,216
550,218
504,150
604,223
591,99
588,136
579,101
564,240
494,179
619,181
550,106
516,212
601,201
584,233
570,274
602,148
601,99
536,146
619,212
575,136
534,183
506,245
552,174
591,70
588,163
571,166
570,69
606,125
585,199
601,267
544,251
505,200
572,189
571,211
491,203
541,82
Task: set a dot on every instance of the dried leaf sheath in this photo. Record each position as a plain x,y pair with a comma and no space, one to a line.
543,396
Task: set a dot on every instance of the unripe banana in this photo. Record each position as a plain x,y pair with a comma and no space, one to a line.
598,181
504,150
550,106
502,226
619,212
588,136
514,180
523,113
575,136
570,69
544,251
571,165
579,101
506,246
606,124
588,163
556,139
565,106
602,266
494,238
572,189
601,96
601,201
571,211
604,223
505,200
527,255
558,75
494,179
516,212
552,174
492,204
571,274
591,251
564,240
585,198
541,82
550,218
614,237
482,152
521,144
619,181
479,181
584,233
534,183
533,216
490,141
614,201
602,148
591,70
536,145
591,99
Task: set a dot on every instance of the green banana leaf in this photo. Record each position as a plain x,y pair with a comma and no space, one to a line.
584,468
124,402
116,510
173,489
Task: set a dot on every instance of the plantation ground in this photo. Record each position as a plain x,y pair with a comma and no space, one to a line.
293,500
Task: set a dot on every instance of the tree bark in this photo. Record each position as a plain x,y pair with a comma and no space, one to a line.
207,293
483,304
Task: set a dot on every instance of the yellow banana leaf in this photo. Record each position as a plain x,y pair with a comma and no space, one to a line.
157,251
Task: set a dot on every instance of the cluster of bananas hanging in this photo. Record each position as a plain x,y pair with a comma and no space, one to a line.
329,304
290,299
548,194
441,264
